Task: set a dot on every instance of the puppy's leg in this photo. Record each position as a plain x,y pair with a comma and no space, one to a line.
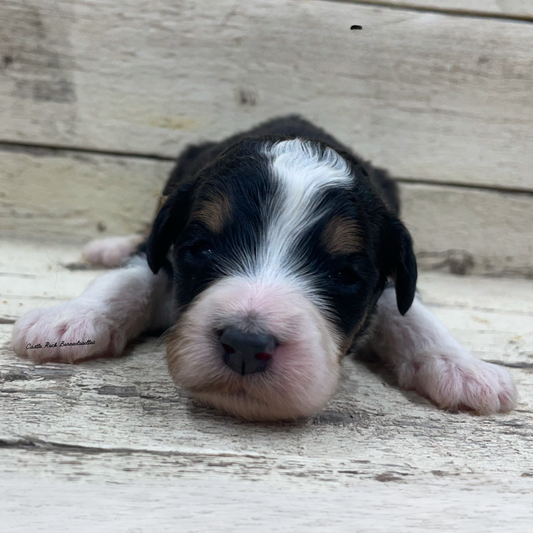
114,309
111,252
429,360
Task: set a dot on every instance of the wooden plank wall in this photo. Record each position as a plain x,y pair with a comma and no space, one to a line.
96,98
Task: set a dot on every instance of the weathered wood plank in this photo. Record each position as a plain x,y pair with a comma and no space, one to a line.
468,230
72,196
224,505
430,96
514,296
505,8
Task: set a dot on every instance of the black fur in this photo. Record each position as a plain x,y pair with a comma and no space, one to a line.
349,287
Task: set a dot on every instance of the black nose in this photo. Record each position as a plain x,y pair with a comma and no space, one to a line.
247,353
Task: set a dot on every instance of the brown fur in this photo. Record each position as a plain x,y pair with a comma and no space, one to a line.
215,213
342,236
349,342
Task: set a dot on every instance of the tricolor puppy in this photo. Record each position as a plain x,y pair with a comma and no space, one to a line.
275,253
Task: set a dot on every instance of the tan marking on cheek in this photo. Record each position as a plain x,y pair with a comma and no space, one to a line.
215,213
176,359
342,236
173,352
345,347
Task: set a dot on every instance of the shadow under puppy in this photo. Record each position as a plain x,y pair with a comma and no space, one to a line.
275,253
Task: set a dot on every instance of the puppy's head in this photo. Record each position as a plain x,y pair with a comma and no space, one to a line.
280,251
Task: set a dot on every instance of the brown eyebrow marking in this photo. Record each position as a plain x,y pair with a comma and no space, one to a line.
215,212
342,236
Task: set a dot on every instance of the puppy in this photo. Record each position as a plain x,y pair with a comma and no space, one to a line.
274,253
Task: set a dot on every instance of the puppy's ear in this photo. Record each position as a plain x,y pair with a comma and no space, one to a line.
400,263
168,224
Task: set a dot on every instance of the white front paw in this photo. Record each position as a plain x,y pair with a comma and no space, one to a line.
454,379
67,333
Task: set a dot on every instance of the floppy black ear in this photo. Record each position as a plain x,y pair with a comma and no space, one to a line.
168,224
401,264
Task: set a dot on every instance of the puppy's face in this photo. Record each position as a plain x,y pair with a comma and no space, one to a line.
280,251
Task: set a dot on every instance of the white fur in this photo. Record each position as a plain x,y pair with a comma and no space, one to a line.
302,173
429,360
114,309
302,374
111,252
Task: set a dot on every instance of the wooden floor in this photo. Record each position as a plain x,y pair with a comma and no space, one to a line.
114,445
97,99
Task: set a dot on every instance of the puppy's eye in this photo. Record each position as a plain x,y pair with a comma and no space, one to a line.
345,276
200,250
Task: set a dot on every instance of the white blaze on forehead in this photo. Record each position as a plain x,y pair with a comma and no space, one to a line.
303,172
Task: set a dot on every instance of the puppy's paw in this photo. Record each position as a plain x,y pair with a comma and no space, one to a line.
453,379
67,333
111,252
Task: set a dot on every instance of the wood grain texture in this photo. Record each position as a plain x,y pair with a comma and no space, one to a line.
470,231
115,445
216,503
430,96
71,196
502,8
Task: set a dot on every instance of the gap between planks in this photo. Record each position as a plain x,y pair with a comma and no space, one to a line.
42,149
455,8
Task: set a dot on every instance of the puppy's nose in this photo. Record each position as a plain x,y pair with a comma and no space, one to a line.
247,353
